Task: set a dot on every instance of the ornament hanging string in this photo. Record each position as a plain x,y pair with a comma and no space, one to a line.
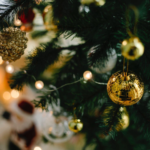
132,48
125,72
136,13
74,114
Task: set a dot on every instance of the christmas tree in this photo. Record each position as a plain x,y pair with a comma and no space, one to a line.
96,64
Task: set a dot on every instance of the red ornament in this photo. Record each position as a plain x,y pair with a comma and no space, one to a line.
28,135
26,17
26,106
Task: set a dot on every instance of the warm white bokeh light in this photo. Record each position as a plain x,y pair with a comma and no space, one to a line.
37,148
14,93
1,60
17,22
87,75
6,95
39,85
9,69
124,42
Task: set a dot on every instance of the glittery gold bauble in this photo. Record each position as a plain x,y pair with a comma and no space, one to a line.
48,18
75,125
125,90
123,120
13,42
132,48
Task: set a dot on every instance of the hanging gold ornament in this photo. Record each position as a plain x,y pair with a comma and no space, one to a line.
132,48
75,125
87,2
123,120
100,2
48,18
13,42
124,89
96,2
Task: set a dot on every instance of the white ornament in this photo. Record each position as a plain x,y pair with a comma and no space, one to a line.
107,65
58,132
55,128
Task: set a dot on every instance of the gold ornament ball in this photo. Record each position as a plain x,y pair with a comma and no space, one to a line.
100,2
123,120
124,89
13,42
87,2
132,48
96,2
48,19
75,125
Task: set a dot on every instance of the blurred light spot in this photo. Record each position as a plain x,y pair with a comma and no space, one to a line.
15,93
6,95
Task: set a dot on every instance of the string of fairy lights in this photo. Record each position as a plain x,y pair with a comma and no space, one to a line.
87,75
39,85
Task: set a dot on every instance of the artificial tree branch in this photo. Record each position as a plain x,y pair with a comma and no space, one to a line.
136,106
42,57
113,118
8,8
88,98
7,12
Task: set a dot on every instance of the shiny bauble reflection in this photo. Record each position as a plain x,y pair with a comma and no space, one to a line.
75,125
124,89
